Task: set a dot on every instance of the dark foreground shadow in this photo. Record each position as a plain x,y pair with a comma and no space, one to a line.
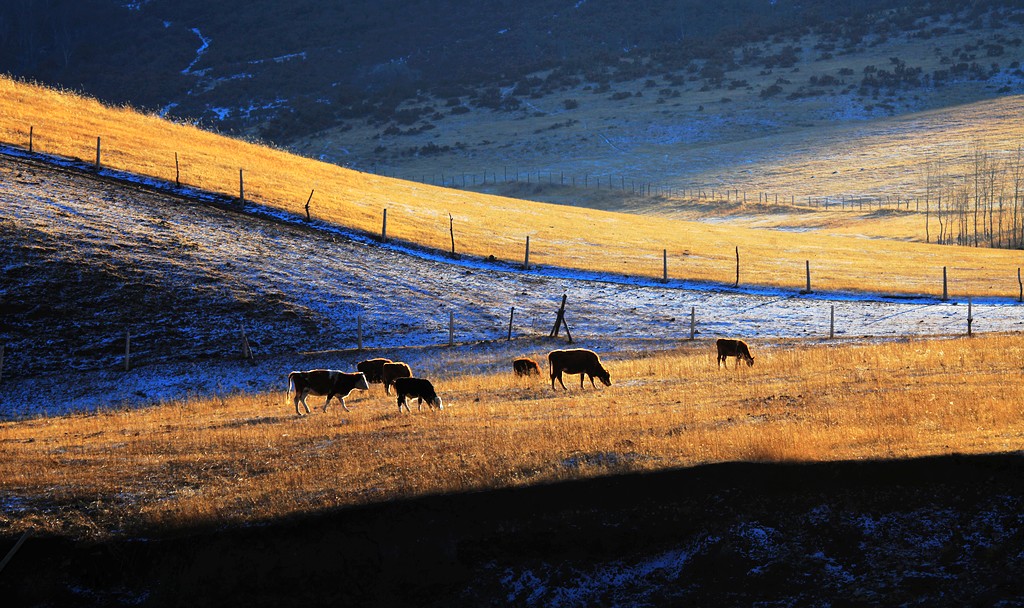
932,531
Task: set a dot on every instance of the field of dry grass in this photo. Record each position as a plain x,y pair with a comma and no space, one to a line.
249,458
486,225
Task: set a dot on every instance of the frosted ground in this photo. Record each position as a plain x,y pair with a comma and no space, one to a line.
86,261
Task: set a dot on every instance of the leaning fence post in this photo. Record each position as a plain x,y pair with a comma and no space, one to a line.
693,322
307,203
246,350
511,315
1020,298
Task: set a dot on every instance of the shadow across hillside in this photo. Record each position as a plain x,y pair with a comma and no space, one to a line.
931,531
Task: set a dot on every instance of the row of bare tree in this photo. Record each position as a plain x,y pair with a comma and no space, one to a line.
982,205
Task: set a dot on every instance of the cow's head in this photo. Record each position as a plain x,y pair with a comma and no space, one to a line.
750,361
361,383
437,402
604,377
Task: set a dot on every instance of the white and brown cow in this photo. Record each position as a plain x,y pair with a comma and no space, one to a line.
577,361
392,370
330,382
421,389
733,348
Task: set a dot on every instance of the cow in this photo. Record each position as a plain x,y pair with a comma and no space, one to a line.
392,370
733,348
330,382
420,388
577,361
373,369
525,366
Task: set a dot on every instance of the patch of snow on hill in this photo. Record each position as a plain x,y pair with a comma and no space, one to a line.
205,44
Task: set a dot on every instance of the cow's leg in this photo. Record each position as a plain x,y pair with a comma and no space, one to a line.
592,381
303,399
343,406
387,388
559,381
401,400
419,404
329,395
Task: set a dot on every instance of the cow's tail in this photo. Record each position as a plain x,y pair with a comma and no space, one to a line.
291,382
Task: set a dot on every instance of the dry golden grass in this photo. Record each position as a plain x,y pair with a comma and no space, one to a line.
68,125
248,458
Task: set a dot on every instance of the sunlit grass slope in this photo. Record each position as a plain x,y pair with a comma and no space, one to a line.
248,458
68,125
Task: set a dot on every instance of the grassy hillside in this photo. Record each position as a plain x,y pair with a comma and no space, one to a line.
485,225
249,458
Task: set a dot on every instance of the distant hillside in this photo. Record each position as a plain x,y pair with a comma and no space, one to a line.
285,69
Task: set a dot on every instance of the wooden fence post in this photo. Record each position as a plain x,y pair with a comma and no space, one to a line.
1020,297
560,321
307,204
177,171
808,289
526,260
945,291
384,226
127,350
970,316
664,265
737,283
30,135
832,323
451,328
511,315
693,322
97,153
241,188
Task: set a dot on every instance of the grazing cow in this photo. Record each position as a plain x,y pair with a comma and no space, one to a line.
577,361
374,369
733,348
525,366
330,382
391,371
420,388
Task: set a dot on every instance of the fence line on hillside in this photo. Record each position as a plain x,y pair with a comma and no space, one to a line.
528,323
646,186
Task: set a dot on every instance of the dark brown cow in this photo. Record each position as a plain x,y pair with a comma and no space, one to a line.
330,382
524,366
374,369
733,348
392,370
577,361
420,388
